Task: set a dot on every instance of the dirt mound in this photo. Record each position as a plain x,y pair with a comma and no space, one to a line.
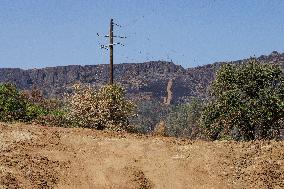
45,157
21,166
137,178
256,164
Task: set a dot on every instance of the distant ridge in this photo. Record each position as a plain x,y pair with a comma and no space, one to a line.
148,80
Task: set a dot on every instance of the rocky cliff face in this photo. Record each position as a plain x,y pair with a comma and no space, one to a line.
147,80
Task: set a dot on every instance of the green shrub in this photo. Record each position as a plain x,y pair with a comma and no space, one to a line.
100,109
12,105
148,114
35,97
247,102
183,120
44,111
51,119
22,106
33,111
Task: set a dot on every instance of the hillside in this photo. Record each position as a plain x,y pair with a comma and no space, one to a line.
149,80
33,156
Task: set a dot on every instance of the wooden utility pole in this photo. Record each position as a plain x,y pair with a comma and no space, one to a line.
110,47
111,52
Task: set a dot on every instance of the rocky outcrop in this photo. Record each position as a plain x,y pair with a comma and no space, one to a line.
169,97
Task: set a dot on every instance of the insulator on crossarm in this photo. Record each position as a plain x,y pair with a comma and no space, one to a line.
117,25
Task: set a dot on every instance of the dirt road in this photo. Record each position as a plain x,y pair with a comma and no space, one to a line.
48,157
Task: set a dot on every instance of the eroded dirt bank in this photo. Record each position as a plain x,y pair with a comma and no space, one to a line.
49,157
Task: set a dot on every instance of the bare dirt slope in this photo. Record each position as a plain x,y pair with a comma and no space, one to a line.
49,157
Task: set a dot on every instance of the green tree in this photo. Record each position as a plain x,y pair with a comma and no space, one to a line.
183,120
12,106
247,102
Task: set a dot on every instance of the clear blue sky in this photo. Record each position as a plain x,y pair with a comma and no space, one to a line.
44,33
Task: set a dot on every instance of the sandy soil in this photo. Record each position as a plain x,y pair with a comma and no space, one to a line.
48,157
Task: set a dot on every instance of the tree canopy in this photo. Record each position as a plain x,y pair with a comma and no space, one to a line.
247,102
